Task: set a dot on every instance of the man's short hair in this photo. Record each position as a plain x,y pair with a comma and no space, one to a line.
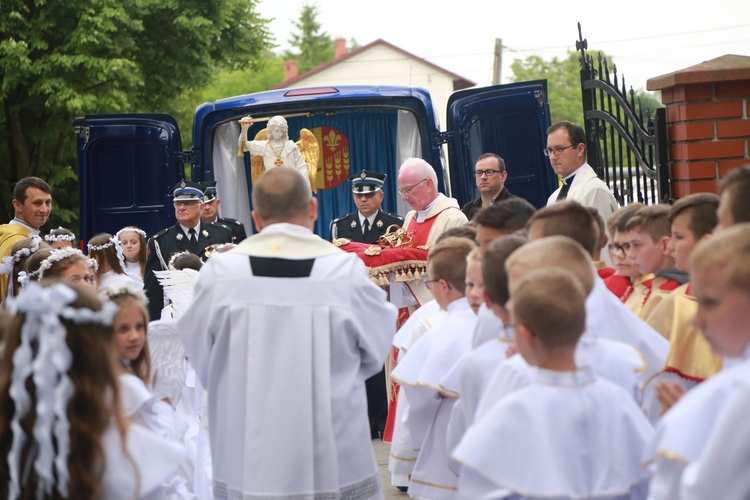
447,261
494,275
507,215
281,194
462,231
700,208
726,253
19,190
555,251
568,218
619,219
576,134
498,158
421,168
652,220
538,306
737,183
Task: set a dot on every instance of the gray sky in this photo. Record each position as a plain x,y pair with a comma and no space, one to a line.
645,38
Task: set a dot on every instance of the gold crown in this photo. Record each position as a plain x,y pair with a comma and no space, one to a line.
395,237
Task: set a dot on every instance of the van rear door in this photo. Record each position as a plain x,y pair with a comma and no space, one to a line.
508,120
127,164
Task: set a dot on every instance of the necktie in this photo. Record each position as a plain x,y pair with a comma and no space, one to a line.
192,239
564,189
365,228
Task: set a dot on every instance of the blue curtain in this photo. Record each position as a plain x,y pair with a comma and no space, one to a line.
372,146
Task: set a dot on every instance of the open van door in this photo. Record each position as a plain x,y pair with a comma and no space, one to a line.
510,121
127,165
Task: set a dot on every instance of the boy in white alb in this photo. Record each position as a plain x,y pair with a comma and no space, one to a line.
702,444
420,371
570,434
469,377
615,361
606,318
402,455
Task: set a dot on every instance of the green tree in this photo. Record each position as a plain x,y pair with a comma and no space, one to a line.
226,83
62,59
564,84
311,47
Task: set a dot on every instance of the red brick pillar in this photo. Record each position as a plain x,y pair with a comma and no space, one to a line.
708,121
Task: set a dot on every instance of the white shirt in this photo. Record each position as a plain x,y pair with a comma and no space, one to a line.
32,230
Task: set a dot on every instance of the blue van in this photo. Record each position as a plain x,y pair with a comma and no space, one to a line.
129,162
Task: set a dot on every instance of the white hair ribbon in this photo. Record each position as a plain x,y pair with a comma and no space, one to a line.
43,308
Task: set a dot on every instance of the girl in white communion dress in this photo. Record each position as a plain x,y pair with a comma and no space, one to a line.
62,426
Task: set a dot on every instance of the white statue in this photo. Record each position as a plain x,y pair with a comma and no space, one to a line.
272,148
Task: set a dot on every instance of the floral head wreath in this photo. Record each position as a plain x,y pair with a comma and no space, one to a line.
56,256
92,263
96,248
131,229
173,258
114,291
6,267
114,240
47,364
59,237
218,248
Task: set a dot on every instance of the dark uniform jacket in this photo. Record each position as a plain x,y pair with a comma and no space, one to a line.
170,241
237,228
348,226
471,208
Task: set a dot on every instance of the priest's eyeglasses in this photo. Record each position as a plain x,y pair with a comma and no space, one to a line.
489,172
555,151
408,190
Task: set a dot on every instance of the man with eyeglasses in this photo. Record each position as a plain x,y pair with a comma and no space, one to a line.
566,149
432,212
490,176
368,222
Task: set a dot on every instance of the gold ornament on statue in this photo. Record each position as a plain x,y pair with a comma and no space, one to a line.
271,147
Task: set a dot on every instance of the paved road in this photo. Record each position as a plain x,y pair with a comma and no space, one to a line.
381,455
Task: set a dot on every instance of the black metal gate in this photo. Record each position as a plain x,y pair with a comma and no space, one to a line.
626,148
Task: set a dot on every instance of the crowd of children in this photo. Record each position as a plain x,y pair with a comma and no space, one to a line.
134,415
537,372
597,382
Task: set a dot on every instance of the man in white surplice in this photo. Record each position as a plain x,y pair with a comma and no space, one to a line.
284,330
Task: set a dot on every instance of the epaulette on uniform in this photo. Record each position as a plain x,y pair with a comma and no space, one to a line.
396,216
219,224
339,219
231,221
160,233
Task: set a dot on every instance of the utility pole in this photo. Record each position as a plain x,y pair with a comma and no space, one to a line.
498,61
